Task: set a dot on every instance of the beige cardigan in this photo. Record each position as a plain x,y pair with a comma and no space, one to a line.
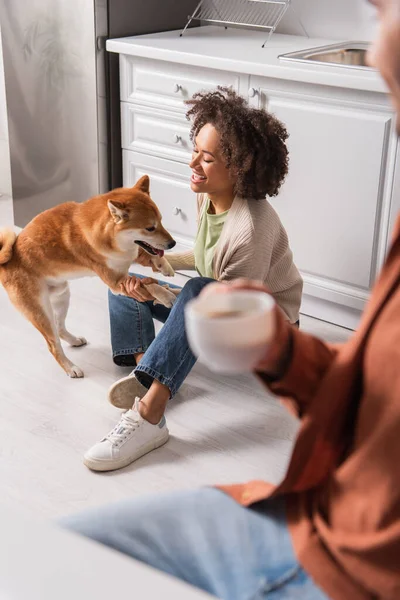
253,244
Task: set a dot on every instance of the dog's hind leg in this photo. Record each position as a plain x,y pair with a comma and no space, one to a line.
59,298
37,309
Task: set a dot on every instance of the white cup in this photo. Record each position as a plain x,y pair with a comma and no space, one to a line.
230,332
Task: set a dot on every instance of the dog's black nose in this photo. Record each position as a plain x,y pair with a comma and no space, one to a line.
171,244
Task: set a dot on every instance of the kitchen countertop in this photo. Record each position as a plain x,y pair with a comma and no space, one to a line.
240,51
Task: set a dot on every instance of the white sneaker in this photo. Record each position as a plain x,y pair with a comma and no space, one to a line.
130,439
123,392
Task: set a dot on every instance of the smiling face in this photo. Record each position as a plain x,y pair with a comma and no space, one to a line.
209,173
137,220
385,52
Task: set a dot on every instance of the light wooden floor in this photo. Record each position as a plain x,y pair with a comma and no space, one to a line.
222,429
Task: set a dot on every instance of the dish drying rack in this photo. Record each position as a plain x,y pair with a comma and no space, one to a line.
254,14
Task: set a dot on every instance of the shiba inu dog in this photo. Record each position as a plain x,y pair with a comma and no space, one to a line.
101,236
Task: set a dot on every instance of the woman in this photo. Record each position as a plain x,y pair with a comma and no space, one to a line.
239,158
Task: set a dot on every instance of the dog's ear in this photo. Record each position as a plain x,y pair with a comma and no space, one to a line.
143,184
118,211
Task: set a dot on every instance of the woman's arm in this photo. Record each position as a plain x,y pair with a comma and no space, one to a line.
283,280
240,266
181,261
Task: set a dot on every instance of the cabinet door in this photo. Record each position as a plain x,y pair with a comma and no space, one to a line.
167,85
335,195
156,132
170,190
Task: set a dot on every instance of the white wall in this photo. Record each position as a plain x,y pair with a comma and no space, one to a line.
6,207
332,19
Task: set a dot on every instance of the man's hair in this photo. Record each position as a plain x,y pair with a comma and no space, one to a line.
252,141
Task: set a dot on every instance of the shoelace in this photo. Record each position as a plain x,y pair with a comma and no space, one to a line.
127,424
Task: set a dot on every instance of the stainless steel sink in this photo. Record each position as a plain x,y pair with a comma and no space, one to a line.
349,54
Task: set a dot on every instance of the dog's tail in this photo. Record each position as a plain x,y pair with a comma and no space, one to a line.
7,240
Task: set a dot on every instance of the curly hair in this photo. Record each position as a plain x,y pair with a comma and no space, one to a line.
253,141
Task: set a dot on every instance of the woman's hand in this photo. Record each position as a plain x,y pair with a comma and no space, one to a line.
277,356
134,287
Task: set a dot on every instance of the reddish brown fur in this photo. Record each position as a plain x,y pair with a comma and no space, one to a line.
72,239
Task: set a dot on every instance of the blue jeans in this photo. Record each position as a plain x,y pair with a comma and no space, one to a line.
208,540
167,357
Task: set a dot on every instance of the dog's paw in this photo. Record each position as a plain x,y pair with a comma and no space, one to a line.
163,266
162,295
74,372
168,298
72,340
167,270
168,303
78,341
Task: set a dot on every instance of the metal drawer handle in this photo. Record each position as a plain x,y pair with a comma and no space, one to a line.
176,210
177,88
177,138
253,92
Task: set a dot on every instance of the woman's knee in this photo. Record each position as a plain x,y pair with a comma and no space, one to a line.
117,302
113,298
194,286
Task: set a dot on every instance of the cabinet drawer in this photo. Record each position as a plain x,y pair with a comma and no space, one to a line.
168,84
155,132
170,190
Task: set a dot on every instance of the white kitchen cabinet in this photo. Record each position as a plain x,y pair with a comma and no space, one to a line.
156,132
168,85
342,193
169,188
336,198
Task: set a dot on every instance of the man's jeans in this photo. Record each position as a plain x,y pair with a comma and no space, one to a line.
207,539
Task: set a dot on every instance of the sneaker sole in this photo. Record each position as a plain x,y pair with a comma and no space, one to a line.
113,465
123,392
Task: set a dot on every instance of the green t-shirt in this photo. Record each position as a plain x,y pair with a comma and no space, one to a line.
208,234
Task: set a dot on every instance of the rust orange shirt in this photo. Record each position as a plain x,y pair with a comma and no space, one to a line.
343,481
